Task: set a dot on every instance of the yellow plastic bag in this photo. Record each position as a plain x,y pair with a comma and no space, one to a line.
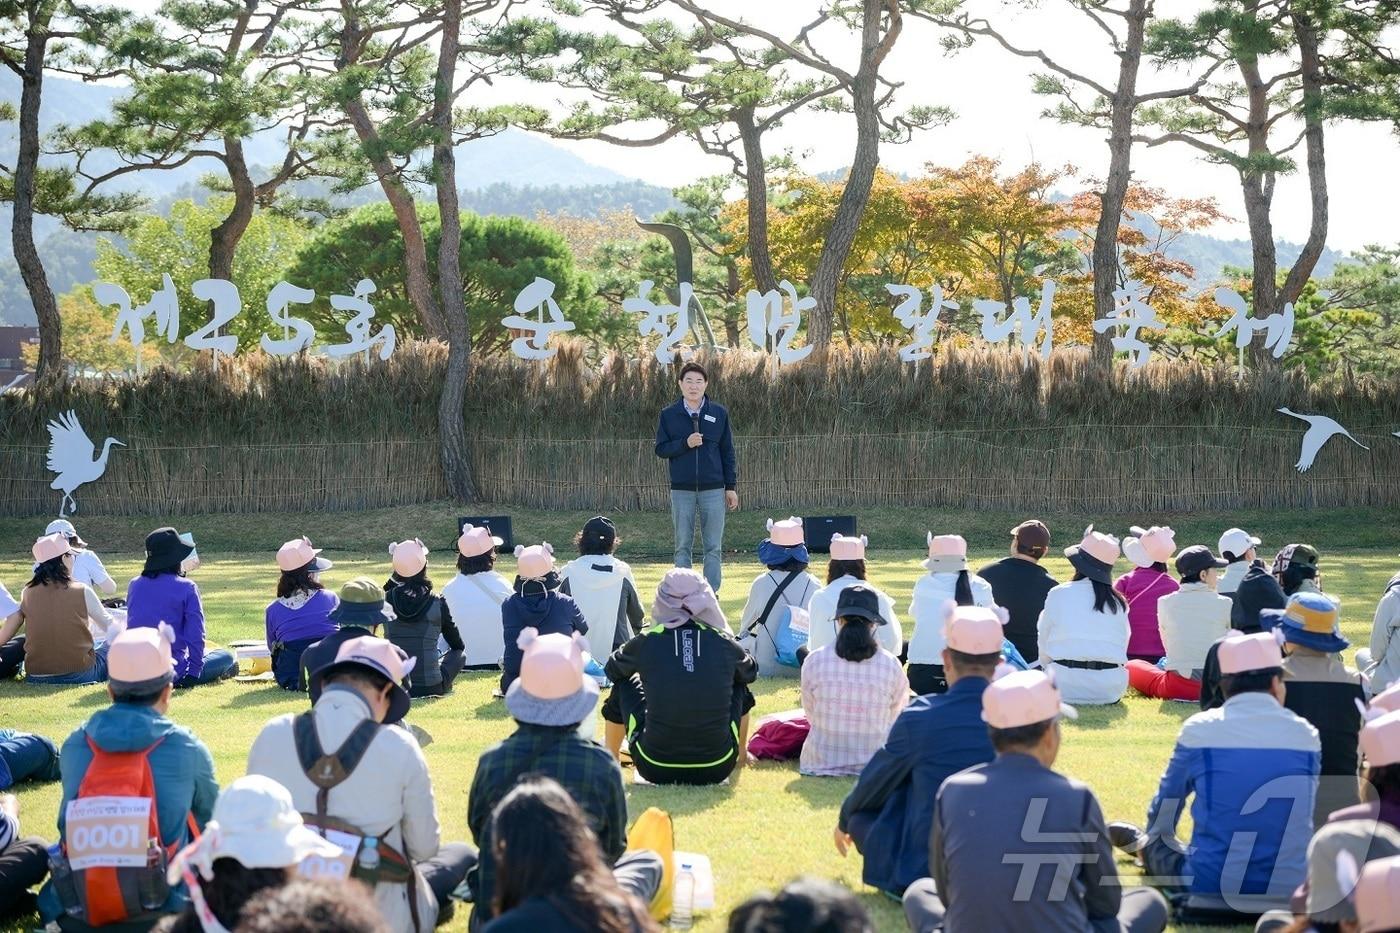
653,831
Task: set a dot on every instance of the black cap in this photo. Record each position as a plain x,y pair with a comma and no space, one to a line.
600,529
1196,559
860,601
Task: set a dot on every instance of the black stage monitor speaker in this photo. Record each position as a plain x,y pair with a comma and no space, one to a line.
498,525
818,529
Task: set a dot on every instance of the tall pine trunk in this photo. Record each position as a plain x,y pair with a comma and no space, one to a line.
456,447
756,183
31,267
1312,79
223,239
1120,148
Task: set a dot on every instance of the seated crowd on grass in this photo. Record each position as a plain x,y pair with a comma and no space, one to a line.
1292,766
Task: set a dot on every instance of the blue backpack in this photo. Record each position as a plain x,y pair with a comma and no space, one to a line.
787,639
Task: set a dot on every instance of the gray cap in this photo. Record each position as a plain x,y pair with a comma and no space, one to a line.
1363,840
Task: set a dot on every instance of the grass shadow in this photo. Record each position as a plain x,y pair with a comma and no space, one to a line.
491,709
818,791
261,696
678,799
1100,717
1179,710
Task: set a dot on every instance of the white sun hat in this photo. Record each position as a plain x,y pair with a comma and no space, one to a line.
256,825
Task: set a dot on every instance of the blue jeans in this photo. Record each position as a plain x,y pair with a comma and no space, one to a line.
26,757
709,503
96,674
218,664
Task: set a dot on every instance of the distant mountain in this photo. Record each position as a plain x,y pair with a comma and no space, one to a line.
513,173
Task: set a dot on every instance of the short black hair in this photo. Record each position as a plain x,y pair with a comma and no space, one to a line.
481,563
1260,681
356,673
1192,577
1231,557
595,547
811,905
974,663
1020,736
138,699
692,368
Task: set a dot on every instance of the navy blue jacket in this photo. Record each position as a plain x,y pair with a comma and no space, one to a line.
936,736
549,611
709,466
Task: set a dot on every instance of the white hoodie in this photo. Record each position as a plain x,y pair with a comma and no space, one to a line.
822,610
930,593
606,594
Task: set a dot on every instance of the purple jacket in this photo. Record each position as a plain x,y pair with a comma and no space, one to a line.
285,624
175,601
1141,587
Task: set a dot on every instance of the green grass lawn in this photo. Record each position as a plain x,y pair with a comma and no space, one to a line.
772,824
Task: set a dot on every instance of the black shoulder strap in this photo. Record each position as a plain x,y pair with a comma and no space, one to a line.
327,771
762,619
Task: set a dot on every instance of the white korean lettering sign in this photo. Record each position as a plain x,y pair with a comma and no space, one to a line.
107,832
919,323
769,320
656,318
297,332
538,296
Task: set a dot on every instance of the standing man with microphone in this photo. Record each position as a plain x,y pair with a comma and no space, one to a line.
693,434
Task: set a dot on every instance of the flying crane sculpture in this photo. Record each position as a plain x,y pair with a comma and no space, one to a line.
1321,429
72,457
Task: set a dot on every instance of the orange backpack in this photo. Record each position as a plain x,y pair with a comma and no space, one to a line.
114,861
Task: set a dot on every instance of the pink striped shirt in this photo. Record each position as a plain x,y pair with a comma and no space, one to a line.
851,706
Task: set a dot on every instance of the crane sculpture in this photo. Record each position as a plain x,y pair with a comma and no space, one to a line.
1321,429
72,457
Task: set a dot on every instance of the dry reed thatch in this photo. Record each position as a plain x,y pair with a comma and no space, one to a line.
973,428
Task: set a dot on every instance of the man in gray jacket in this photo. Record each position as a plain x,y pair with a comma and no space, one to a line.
1017,846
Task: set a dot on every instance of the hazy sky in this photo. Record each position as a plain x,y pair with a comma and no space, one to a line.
997,115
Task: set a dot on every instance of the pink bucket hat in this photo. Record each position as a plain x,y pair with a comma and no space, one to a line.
1021,698
1095,555
845,547
552,689
476,541
1380,740
376,654
946,553
786,533
973,629
298,553
139,660
1387,700
1240,652
1151,546
50,546
1377,895
408,557
534,562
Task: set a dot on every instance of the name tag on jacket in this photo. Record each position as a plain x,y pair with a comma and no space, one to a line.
710,418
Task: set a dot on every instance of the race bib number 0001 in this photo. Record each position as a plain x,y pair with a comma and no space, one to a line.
107,832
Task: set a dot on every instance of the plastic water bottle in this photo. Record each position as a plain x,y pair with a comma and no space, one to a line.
64,885
683,902
152,888
368,860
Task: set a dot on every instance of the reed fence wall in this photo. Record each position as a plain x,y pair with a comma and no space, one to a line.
976,429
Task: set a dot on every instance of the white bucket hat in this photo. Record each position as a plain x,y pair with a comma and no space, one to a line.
256,825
